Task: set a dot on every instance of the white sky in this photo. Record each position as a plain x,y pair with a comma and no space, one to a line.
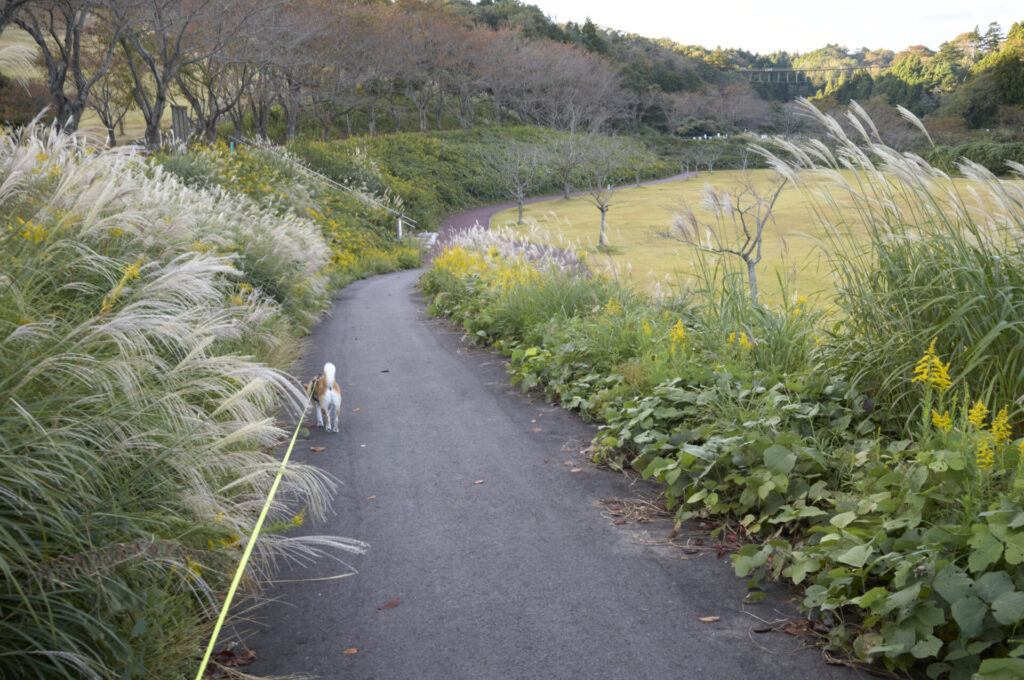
793,25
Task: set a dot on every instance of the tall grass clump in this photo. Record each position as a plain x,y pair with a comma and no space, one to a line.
944,260
137,406
358,230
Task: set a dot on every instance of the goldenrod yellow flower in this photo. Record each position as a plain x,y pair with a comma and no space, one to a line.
984,458
942,422
612,307
678,332
740,340
1001,429
977,414
931,371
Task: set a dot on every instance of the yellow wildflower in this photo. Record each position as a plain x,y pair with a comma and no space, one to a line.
984,458
931,371
977,414
942,422
678,332
647,327
1001,429
740,340
612,307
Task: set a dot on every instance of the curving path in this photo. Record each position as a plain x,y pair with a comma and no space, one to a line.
521,576
482,215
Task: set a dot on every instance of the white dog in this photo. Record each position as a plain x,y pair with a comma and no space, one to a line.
326,395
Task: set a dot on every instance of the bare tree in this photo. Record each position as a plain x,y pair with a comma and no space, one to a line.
708,152
741,214
58,28
8,10
566,154
636,157
111,97
161,37
521,168
601,169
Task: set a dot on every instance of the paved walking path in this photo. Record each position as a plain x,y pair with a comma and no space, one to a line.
498,560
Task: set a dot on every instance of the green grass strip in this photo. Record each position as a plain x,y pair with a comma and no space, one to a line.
248,548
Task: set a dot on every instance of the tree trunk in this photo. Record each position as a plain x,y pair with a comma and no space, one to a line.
752,279
423,120
153,121
600,239
291,117
372,111
111,139
348,123
520,213
440,108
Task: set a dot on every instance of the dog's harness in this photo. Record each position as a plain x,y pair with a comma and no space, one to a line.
312,390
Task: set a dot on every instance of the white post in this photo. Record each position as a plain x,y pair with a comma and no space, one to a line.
399,226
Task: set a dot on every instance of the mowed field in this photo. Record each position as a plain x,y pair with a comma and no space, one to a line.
638,223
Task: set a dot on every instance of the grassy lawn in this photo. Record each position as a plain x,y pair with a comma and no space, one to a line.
640,216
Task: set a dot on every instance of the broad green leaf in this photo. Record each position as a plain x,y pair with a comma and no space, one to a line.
872,596
987,550
969,613
1008,608
930,646
779,459
993,584
901,598
952,583
1000,669
842,519
855,556
1015,548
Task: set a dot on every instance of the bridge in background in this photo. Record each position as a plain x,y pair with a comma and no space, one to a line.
800,75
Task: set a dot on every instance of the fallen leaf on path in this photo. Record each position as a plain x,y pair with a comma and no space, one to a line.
766,629
389,605
385,371
370,498
621,521
576,470
351,650
534,420
547,460
708,619
318,449
536,429
479,481
568,462
356,410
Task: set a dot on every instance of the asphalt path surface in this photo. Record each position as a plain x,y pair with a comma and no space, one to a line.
495,547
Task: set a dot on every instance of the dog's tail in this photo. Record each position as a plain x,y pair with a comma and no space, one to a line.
329,374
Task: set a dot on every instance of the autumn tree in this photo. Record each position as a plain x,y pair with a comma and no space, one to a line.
161,37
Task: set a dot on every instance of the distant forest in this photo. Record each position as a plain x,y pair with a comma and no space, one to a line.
332,69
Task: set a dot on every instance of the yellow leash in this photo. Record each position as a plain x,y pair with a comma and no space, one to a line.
248,548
